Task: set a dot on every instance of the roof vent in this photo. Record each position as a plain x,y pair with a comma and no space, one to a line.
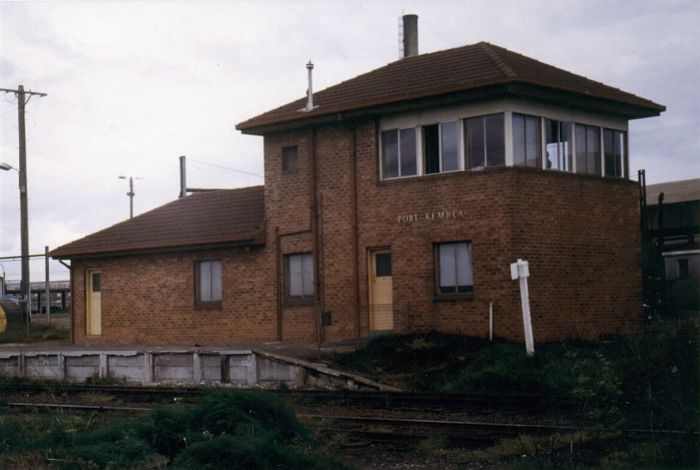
310,91
410,35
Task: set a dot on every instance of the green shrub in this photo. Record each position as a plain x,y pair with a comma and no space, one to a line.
249,452
226,429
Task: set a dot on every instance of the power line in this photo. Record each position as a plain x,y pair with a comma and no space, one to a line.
226,168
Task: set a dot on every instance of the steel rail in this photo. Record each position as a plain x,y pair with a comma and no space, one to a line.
450,425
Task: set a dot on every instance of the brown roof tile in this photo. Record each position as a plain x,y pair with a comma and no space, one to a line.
453,70
208,218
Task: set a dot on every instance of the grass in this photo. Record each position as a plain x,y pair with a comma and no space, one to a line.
226,429
40,330
649,379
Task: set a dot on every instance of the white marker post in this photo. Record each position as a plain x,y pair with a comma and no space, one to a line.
520,270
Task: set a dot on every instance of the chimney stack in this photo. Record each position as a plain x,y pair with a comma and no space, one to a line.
410,35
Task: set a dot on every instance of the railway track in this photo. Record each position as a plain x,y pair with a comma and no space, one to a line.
391,429
383,400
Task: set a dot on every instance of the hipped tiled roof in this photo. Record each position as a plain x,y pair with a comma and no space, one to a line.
199,220
449,71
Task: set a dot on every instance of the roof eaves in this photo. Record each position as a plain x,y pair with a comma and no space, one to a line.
249,238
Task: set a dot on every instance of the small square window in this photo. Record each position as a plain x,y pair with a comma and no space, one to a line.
382,265
96,282
454,268
208,282
289,159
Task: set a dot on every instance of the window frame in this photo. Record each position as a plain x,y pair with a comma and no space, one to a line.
382,156
569,160
597,160
300,299
440,151
538,134
438,294
485,141
623,155
207,304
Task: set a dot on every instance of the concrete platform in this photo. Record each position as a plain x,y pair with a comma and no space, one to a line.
267,365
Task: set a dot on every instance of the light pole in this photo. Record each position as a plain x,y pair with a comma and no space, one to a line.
131,193
23,229
24,226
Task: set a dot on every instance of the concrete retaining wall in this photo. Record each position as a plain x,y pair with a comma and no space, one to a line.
238,368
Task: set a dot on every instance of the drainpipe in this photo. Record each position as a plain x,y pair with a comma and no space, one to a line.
278,278
313,213
355,241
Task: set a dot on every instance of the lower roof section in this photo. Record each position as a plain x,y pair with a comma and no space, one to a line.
208,219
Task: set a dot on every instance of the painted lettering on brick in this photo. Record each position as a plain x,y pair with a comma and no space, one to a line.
408,219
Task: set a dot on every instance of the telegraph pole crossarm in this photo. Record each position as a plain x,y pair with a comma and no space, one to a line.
30,93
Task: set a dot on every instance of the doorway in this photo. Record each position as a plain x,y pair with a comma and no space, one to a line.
381,305
94,303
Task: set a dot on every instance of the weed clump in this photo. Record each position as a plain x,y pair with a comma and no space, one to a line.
226,429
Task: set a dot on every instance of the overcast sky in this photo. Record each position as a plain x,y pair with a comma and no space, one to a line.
133,85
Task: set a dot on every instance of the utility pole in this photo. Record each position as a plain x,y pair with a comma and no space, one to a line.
24,218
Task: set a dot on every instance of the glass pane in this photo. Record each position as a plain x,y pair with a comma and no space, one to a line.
551,144
620,153
609,152
204,281
382,263
409,166
390,154
450,145
96,282
464,265
518,139
532,140
295,281
216,281
431,148
474,128
307,275
593,150
495,141
448,275
581,163
564,146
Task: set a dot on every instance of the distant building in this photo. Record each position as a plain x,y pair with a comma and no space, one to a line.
394,201
673,218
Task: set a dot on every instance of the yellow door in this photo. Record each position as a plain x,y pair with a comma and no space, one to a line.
381,305
94,303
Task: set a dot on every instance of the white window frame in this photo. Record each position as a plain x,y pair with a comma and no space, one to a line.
398,147
214,296
307,256
438,270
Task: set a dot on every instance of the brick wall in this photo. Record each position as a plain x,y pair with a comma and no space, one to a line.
579,233
149,299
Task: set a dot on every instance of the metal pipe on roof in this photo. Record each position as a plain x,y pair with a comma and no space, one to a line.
310,91
183,177
410,35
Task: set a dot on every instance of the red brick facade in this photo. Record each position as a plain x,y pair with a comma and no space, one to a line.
579,234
